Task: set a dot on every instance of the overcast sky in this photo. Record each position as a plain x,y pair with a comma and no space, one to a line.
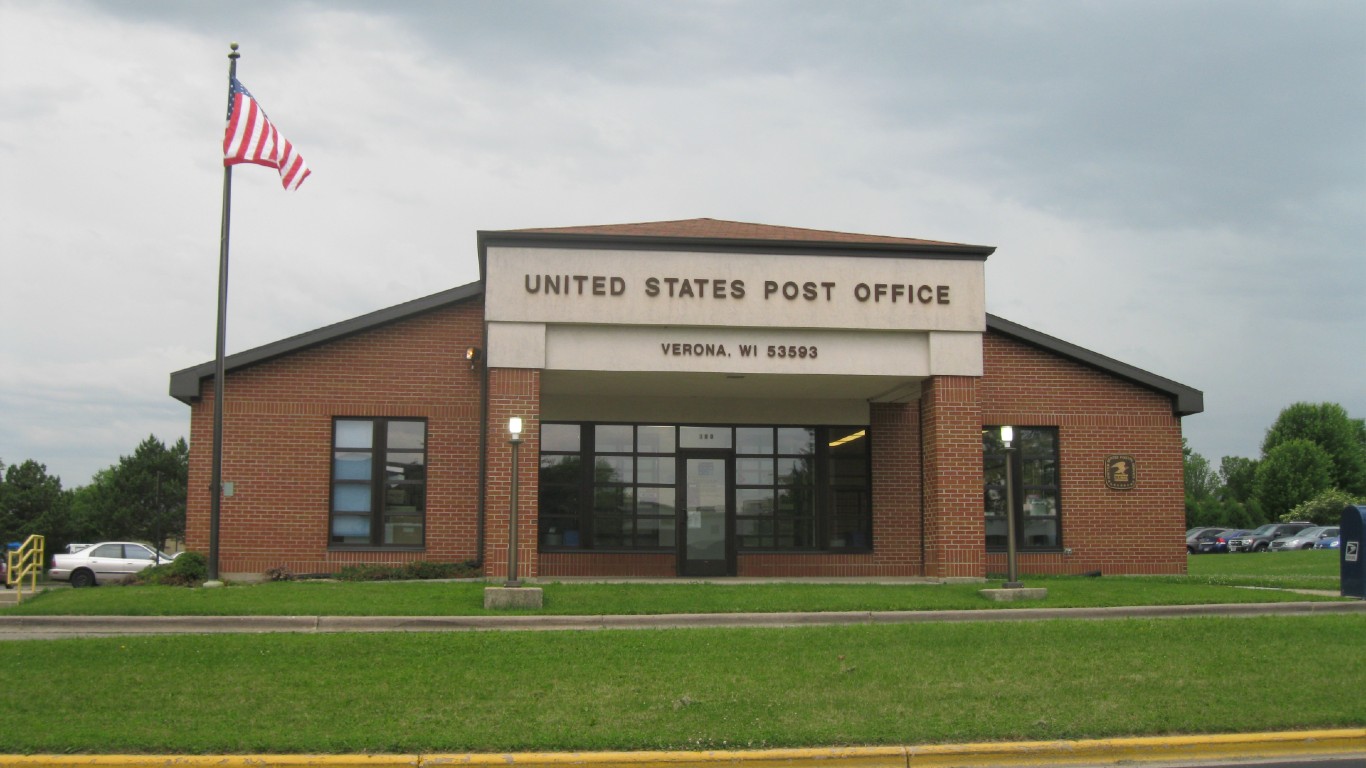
1178,185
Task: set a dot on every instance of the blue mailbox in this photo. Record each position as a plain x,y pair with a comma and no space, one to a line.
1351,556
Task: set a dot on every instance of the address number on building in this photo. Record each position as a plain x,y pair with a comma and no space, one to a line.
792,350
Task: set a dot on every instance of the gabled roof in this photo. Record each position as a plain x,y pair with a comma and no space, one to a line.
715,235
718,229
185,383
1185,400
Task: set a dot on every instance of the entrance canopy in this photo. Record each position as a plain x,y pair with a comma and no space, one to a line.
662,319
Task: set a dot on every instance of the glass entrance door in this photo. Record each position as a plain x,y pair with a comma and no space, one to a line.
704,541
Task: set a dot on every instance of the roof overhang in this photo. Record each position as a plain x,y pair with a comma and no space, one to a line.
626,242
186,384
1185,400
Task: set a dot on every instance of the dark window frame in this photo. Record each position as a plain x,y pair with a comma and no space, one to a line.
379,483
822,491
1027,484
799,492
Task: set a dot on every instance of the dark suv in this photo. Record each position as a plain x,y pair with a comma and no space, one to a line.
1260,539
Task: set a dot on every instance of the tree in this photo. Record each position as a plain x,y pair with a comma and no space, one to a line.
88,505
33,502
1328,426
1292,472
143,496
1238,474
1201,482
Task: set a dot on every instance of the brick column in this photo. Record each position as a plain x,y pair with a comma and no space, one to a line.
951,419
896,488
512,392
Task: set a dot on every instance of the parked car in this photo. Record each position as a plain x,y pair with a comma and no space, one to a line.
1217,542
1194,534
104,562
1331,543
1260,539
1305,539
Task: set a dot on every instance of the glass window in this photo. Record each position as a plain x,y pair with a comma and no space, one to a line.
559,437
379,482
355,434
615,438
614,486
655,439
656,469
754,440
775,494
135,552
850,500
613,469
1032,462
799,440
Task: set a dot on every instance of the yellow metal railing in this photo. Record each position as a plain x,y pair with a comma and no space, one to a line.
28,561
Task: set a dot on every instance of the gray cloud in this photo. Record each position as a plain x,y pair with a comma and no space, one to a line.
1178,185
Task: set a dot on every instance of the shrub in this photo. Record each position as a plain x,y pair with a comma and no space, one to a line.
368,572
421,569
1324,509
189,569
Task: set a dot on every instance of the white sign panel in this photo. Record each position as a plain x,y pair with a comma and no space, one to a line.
580,286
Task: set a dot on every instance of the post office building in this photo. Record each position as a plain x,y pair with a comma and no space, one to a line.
696,398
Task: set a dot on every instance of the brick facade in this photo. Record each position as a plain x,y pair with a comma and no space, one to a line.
512,392
927,502
1097,415
277,447
954,515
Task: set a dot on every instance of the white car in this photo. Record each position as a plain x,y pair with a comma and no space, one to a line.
107,561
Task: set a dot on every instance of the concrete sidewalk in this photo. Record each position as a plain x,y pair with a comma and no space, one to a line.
1162,750
44,627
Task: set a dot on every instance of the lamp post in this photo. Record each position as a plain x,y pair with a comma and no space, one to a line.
1012,572
515,440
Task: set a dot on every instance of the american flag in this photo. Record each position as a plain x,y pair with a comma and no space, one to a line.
251,138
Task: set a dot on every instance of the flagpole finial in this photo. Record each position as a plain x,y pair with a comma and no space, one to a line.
234,53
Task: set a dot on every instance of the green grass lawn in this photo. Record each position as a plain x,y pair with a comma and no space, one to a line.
1308,569
1212,579
683,688
679,689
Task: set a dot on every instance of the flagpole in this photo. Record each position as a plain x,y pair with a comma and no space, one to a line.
216,482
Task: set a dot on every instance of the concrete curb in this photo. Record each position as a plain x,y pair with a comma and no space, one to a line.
118,625
1320,743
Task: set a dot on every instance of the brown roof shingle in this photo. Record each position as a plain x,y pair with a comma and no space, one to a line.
727,230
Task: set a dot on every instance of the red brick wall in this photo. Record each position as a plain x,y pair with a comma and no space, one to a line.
954,515
512,392
278,442
1133,531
